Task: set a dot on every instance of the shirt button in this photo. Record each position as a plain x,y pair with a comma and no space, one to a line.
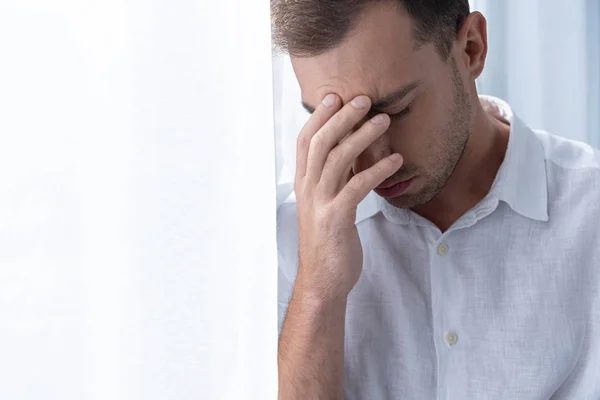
442,249
452,338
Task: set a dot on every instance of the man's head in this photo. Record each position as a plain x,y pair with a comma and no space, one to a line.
416,59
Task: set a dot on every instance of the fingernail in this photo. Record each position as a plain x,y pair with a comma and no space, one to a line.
329,100
360,102
379,119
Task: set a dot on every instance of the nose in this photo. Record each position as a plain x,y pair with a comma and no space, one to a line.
376,151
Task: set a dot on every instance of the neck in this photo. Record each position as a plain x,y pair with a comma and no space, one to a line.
474,174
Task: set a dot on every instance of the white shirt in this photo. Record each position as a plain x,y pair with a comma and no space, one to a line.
504,305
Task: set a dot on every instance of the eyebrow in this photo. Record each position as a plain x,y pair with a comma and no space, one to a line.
384,102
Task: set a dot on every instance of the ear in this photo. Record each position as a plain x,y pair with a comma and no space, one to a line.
471,43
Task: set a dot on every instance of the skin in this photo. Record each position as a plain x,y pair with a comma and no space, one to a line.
447,142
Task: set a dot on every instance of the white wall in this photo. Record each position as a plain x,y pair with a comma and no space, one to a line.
543,61
137,199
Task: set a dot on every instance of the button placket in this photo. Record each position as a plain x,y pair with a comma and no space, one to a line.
439,270
451,338
442,249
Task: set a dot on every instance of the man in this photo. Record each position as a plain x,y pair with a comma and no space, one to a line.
472,271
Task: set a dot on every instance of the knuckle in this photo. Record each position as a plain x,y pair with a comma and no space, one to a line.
352,116
316,142
302,140
378,167
297,186
347,118
386,165
357,182
335,157
372,133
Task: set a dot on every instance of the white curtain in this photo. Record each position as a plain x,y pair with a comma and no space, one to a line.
290,116
544,59
137,200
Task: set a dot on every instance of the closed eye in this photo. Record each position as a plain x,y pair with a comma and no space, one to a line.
401,113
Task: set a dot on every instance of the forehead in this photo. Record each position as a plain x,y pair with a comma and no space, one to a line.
378,56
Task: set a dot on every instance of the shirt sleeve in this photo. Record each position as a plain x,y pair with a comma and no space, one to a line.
287,257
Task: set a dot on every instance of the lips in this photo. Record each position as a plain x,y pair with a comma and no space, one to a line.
388,183
393,188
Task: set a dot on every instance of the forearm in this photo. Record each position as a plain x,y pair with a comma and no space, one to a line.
311,348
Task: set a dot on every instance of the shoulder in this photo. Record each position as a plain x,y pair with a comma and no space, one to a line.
572,168
569,154
573,187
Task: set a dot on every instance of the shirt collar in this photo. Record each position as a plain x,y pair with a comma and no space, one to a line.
524,186
521,181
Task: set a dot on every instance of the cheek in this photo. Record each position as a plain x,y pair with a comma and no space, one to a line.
411,137
421,132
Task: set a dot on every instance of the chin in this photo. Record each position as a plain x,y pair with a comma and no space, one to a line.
412,200
405,201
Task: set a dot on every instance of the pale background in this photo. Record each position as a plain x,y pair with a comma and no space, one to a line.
137,200
137,184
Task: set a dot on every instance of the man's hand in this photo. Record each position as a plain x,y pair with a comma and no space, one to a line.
311,345
327,193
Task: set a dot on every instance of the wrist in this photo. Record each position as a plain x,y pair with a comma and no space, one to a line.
318,294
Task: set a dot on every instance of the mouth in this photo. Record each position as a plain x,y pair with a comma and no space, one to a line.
393,187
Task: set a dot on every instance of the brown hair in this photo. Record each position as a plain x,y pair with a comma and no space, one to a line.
306,28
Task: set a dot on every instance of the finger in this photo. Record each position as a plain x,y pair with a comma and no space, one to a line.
362,183
332,133
340,159
328,107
